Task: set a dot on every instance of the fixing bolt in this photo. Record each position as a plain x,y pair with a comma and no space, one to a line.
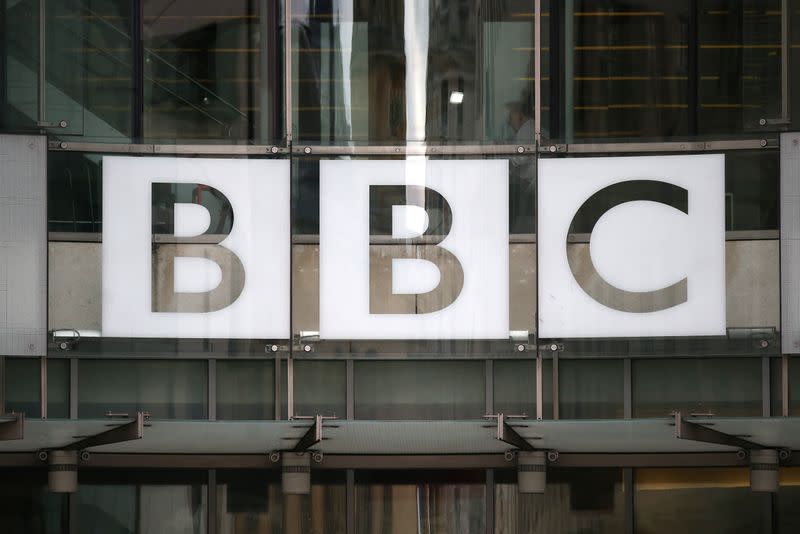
62,124
520,150
274,348
307,348
274,150
553,148
520,348
763,142
764,343
762,122
62,145
307,150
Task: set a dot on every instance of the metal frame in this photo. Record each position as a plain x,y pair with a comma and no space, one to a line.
129,431
696,432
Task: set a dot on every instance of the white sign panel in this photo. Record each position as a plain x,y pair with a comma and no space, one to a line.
195,248
655,263
446,282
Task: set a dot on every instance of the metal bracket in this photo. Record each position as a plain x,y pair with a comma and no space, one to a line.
46,124
14,428
314,433
696,432
506,432
129,431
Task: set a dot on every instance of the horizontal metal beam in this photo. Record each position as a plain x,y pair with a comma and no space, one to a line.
414,149
125,432
667,146
696,432
14,428
158,149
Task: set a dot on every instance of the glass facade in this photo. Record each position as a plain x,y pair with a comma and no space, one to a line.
397,213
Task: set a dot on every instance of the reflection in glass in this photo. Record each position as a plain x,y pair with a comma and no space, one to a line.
22,386
167,389
398,71
697,501
253,503
320,387
721,386
141,503
576,500
27,507
590,389
400,502
58,388
419,389
515,387
245,389
789,500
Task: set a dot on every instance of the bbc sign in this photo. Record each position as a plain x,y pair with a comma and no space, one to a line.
415,249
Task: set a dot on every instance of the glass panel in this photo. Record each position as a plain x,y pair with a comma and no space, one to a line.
320,387
253,503
403,295
515,387
789,500
649,69
794,386
22,386
576,500
27,507
246,389
57,389
697,501
396,71
19,61
720,386
590,389
212,71
167,389
141,503
776,386
426,503
419,389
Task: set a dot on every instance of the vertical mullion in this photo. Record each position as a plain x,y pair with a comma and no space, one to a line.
555,387
137,50
3,73
630,519
785,386
537,62
2,384
287,69
277,379
290,388
539,382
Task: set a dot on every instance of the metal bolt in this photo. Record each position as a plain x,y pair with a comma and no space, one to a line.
762,122
63,124
274,348
307,150
520,150
553,148
764,343
307,348
553,347
520,348
63,345
763,142
274,150
62,145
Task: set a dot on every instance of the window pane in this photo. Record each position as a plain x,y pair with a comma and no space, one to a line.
394,71
141,503
590,389
320,387
23,386
246,389
57,389
419,390
726,387
426,503
26,505
576,500
211,70
253,503
515,387
697,501
167,389
789,500
794,386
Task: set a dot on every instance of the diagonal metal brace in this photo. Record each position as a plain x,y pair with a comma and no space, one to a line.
507,434
124,432
696,432
312,436
14,428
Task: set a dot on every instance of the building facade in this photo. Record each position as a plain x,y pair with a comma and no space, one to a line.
433,266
